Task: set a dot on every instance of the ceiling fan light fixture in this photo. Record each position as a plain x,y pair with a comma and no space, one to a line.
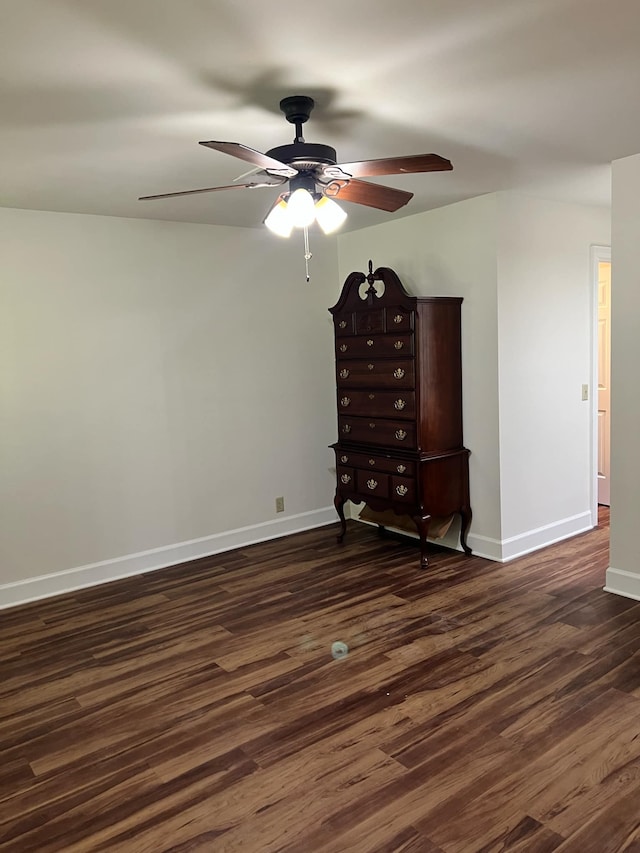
278,220
306,208
301,208
329,215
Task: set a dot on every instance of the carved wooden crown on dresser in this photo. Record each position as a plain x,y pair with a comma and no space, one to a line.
399,395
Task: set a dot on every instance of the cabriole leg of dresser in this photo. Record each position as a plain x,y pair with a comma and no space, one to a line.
339,502
422,523
465,524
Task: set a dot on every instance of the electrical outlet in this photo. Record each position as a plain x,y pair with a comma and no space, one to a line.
585,392
279,504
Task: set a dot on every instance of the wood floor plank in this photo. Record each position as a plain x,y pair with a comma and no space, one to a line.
531,779
615,829
481,707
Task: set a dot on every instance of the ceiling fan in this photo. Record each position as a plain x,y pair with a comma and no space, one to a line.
315,178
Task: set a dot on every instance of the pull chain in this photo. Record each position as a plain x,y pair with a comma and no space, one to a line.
307,253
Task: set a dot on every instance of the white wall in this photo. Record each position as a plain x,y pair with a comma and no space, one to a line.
623,575
452,252
545,340
160,382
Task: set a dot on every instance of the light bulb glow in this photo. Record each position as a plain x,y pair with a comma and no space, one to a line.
329,215
301,208
278,220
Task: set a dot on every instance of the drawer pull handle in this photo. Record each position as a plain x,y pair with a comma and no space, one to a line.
401,434
345,478
343,347
399,405
371,366
372,425
370,342
344,373
399,344
372,484
372,462
398,373
372,396
402,490
345,401
400,469
343,324
398,318
344,459
346,429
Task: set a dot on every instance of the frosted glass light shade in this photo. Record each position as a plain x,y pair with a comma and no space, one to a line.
278,220
301,208
329,215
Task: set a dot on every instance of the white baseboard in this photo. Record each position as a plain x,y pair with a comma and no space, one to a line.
485,546
481,546
621,582
540,537
69,580
505,550
80,577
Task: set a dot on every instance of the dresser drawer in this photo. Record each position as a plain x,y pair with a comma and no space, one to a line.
366,346
370,321
403,489
381,404
372,484
390,373
398,319
376,462
343,324
346,476
388,433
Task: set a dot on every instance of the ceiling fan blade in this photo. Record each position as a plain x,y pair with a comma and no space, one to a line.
251,186
372,195
269,164
397,165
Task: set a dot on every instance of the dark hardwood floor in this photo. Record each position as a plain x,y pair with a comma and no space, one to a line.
481,707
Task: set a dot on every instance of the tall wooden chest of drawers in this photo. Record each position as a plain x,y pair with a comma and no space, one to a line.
399,399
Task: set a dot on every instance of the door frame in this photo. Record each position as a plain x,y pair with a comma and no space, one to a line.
599,254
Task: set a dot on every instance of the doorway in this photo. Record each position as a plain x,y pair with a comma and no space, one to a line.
604,381
601,372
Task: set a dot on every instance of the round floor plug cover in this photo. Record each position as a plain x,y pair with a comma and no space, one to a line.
339,650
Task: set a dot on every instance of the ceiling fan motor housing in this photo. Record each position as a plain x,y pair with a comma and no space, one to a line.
305,156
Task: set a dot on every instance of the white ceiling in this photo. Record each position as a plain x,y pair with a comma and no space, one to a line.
105,100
